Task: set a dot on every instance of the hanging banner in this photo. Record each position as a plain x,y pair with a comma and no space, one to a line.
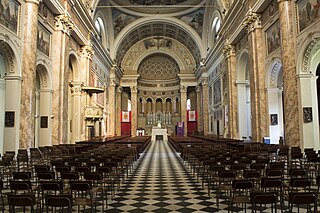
125,116
192,115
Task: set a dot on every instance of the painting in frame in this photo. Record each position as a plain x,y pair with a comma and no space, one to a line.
43,40
308,11
9,14
273,37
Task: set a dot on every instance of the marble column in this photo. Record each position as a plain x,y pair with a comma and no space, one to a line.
60,84
259,110
199,109
76,117
112,107
134,110
205,106
118,116
29,54
230,57
183,104
290,89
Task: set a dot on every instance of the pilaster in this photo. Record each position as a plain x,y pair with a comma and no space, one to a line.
205,107
60,85
230,57
290,88
183,110
29,54
257,76
134,110
118,117
199,109
112,106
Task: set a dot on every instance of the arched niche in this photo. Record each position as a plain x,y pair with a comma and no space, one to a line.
243,86
274,83
43,106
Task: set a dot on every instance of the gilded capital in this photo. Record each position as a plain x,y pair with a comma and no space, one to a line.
198,89
87,51
252,21
229,50
133,89
183,88
113,82
204,81
64,23
119,89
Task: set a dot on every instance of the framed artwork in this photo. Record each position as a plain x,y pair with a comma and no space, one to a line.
9,119
273,37
217,92
9,14
44,40
274,119
307,13
307,114
44,122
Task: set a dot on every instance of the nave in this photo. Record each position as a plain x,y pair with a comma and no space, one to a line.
161,183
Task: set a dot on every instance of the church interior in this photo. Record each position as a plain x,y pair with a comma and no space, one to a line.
160,105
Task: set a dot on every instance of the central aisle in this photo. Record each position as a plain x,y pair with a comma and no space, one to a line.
160,183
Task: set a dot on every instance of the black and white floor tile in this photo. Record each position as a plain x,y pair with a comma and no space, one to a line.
161,183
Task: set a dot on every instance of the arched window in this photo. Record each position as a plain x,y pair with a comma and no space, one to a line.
216,24
99,27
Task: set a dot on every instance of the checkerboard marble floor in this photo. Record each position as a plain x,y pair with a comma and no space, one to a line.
161,183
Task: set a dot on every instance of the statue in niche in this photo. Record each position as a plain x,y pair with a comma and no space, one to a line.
159,124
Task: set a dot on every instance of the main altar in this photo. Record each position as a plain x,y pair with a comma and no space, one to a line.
159,131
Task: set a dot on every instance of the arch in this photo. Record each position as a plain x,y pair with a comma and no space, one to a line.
308,48
149,20
44,74
243,61
10,51
74,64
243,87
273,70
9,137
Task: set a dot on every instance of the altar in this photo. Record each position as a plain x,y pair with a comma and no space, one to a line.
159,131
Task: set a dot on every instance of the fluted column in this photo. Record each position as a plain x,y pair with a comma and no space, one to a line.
112,107
60,84
118,116
257,77
29,53
230,56
290,89
183,104
205,107
134,110
199,109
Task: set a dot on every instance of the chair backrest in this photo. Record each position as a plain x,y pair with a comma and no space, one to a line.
21,200
24,185
46,176
242,184
59,201
55,186
303,198
263,198
21,175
